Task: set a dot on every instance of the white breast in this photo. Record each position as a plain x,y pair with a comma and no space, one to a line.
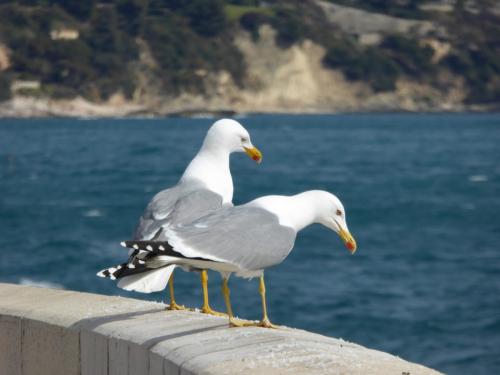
214,172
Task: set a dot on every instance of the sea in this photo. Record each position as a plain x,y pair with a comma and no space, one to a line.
422,199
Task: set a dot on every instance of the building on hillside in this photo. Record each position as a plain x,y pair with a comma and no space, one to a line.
24,85
64,34
443,6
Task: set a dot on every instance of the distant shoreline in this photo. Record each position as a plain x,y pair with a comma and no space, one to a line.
24,108
213,115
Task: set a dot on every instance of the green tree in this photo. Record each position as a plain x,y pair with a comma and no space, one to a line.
4,87
131,15
289,27
413,59
369,65
251,22
206,17
81,9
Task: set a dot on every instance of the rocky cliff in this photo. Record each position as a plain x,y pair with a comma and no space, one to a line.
314,73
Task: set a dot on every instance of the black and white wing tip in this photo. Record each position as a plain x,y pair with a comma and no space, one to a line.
111,272
133,266
149,246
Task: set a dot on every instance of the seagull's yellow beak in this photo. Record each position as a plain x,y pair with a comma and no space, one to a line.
254,153
348,239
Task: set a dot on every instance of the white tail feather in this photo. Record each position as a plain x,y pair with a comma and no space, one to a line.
147,282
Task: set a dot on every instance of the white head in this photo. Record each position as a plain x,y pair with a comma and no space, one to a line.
230,136
330,212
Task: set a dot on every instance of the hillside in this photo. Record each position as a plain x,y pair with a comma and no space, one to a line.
121,57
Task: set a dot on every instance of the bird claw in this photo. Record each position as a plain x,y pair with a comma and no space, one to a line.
175,306
265,323
208,310
238,323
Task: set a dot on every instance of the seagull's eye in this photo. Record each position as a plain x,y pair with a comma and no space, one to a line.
244,140
339,213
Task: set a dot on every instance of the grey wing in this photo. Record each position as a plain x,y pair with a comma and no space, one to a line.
194,205
250,238
175,206
156,213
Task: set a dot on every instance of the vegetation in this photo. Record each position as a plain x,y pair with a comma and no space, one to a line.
235,12
184,37
381,67
476,56
481,70
189,38
95,64
4,87
369,64
412,58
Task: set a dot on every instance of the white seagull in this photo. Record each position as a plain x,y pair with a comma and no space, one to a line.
205,186
247,239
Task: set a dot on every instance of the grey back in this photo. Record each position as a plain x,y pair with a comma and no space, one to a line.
176,205
250,238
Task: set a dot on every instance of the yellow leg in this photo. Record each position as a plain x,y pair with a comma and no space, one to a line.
173,305
265,320
206,309
232,321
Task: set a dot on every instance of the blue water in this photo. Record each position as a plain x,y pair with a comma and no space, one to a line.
422,194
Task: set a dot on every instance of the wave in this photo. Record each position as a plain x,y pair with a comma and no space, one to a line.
93,213
478,178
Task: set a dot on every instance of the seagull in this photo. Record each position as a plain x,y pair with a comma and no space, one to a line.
246,239
205,187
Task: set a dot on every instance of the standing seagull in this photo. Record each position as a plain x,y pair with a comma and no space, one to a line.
248,238
205,187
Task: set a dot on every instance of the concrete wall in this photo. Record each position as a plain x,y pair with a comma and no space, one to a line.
51,332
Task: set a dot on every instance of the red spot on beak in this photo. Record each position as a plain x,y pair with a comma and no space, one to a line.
256,158
350,245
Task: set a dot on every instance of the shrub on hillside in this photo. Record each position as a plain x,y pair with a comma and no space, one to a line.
131,15
370,65
289,27
414,60
206,17
481,70
4,87
80,9
181,62
251,22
